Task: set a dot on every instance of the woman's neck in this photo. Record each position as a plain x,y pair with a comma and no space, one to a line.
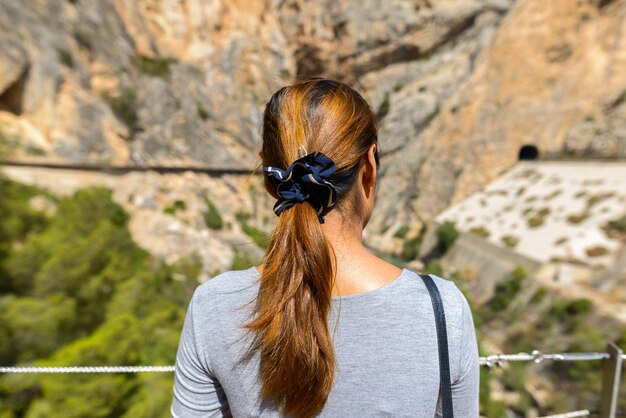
358,270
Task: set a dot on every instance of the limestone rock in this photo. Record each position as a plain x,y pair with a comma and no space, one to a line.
13,62
459,87
525,87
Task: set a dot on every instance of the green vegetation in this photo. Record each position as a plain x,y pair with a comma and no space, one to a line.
411,245
552,195
383,109
577,218
481,231
211,215
596,251
401,232
65,57
76,290
124,106
539,295
446,235
514,378
507,289
488,407
434,267
570,310
159,66
34,150
242,216
259,237
617,226
202,111
242,260
597,198
591,202
509,240
176,206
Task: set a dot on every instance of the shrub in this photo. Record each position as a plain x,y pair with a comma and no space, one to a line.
383,109
124,106
545,211
577,218
481,231
65,57
597,198
446,235
177,205
596,251
89,295
617,225
202,111
411,247
509,240
242,216
401,232
507,289
242,260
539,295
434,267
159,66
211,215
570,313
535,221
574,308
489,407
259,237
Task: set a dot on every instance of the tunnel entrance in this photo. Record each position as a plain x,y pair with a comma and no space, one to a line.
11,100
528,152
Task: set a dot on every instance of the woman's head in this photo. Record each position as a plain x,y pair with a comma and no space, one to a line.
295,290
329,117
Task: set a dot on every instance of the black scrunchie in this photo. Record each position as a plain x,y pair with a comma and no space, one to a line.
305,180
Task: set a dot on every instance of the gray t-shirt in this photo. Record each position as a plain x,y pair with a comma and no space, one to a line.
385,346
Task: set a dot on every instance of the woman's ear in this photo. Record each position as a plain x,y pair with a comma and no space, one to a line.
371,170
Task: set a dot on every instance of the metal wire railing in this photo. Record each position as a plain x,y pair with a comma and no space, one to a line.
489,361
608,402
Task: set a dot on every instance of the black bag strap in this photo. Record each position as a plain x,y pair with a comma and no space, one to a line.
442,342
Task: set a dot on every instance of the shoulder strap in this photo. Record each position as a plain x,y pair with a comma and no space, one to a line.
442,342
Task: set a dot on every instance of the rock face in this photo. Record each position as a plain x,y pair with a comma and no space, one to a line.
560,89
125,81
459,87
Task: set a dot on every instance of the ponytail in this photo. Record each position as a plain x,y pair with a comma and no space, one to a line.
297,358
297,355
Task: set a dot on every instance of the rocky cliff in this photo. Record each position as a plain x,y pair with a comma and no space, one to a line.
459,86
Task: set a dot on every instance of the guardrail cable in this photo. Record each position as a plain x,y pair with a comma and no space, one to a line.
490,361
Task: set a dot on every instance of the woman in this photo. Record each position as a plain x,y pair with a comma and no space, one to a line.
321,327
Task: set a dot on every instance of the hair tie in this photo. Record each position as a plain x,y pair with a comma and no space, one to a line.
305,180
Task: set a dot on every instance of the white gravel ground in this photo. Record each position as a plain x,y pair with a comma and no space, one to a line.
594,191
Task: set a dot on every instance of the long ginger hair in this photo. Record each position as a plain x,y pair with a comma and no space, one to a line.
297,359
